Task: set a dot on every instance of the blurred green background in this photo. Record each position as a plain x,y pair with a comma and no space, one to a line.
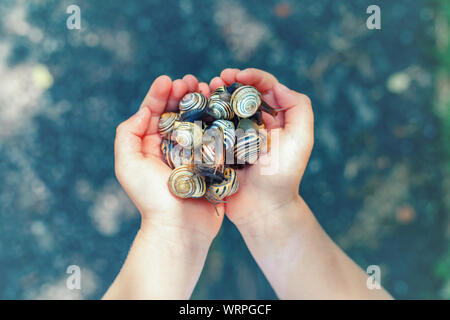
378,179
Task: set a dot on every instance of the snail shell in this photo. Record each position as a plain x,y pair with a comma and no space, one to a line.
265,139
212,156
187,134
248,142
174,155
245,101
218,191
184,183
220,109
208,153
229,135
166,123
220,93
193,101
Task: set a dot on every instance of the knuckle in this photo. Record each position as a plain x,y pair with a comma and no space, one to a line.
120,128
306,100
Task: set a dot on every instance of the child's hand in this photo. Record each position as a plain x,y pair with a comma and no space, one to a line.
144,175
168,254
259,195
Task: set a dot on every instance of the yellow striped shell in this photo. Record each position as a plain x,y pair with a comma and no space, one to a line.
166,123
229,135
175,155
184,183
193,101
220,93
208,153
218,191
220,109
187,134
248,142
245,101
265,140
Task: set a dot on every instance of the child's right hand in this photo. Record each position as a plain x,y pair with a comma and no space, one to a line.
261,195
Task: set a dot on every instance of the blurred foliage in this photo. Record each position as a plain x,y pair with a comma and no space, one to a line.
442,110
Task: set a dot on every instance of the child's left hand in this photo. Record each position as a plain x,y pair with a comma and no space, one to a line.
144,175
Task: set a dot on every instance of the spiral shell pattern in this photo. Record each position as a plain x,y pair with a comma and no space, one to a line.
248,142
193,101
209,153
184,183
187,134
265,140
220,93
166,123
218,191
220,109
175,156
229,135
245,101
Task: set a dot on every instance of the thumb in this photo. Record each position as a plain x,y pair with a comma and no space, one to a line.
129,135
298,114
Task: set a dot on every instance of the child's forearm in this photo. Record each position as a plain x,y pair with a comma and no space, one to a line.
160,265
298,258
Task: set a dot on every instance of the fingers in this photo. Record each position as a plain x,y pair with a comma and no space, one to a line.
229,76
179,89
203,88
215,83
157,95
261,80
191,82
156,100
129,135
298,114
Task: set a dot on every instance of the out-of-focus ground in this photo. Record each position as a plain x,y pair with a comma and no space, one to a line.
378,179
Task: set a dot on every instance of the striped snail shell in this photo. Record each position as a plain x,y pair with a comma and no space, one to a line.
216,192
166,123
265,139
212,156
185,183
220,109
248,142
229,135
193,101
208,153
220,93
245,101
187,134
175,155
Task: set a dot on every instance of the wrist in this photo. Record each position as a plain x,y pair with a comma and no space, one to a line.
278,220
176,242
159,266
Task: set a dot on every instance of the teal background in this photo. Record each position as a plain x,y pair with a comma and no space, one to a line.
378,179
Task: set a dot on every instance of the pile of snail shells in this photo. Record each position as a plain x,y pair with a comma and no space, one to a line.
209,138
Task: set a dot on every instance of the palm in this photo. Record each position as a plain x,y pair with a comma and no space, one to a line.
164,208
144,175
291,146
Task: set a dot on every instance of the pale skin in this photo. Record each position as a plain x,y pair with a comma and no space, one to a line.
165,261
